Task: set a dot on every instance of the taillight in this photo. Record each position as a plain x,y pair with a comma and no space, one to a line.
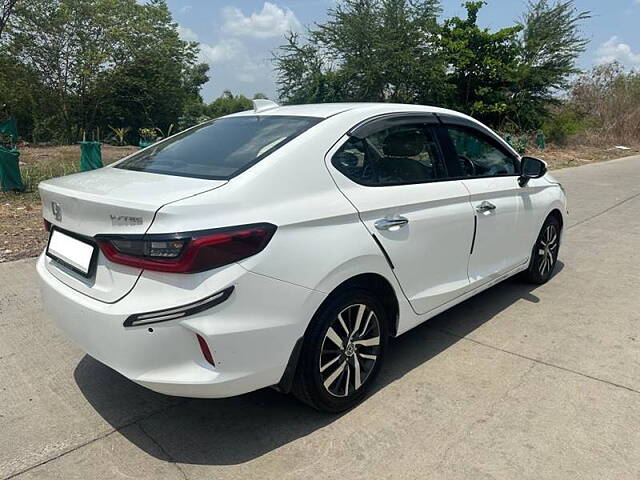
187,252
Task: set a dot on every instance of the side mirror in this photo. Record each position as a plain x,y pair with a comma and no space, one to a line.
531,168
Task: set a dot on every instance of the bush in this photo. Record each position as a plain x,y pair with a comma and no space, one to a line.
606,100
562,124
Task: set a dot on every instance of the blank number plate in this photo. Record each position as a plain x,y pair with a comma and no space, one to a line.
71,252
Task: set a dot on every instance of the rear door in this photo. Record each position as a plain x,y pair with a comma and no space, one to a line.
393,172
490,172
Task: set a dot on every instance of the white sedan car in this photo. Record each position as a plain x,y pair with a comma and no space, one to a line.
283,246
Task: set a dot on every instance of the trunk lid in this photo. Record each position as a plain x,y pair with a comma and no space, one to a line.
110,201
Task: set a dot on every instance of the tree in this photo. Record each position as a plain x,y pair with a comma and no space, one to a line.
101,62
228,103
395,50
482,65
155,79
6,7
550,44
606,100
303,76
20,97
368,50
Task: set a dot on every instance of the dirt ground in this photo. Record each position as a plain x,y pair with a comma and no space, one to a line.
562,157
21,228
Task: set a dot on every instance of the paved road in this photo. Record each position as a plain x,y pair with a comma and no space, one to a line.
518,383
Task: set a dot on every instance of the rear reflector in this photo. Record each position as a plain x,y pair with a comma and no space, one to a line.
205,350
167,314
187,252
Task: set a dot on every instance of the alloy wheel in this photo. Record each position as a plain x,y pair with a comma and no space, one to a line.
349,350
547,248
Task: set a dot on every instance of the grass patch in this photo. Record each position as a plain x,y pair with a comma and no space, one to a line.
33,174
42,163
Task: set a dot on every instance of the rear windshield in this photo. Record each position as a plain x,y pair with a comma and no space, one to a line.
219,149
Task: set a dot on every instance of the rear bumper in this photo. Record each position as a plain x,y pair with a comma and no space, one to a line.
251,334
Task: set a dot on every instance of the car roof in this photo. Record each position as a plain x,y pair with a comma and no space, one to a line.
326,110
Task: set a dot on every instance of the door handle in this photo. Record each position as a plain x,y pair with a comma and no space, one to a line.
485,207
389,223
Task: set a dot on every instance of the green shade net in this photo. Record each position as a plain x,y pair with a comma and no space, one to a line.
90,156
10,128
10,178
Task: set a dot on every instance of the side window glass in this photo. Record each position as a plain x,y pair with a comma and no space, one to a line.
352,160
402,154
478,157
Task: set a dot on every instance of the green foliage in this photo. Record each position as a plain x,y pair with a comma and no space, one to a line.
148,134
482,65
226,104
604,105
303,76
162,134
6,8
6,140
550,44
563,123
120,133
397,51
369,50
20,97
94,63
36,172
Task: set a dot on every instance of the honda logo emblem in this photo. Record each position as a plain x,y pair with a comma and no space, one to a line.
56,209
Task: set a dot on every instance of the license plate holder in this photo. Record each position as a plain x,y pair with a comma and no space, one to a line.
72,252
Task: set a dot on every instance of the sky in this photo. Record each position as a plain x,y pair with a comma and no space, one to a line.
237,37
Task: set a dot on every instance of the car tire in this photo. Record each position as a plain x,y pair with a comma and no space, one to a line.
342,352
544,254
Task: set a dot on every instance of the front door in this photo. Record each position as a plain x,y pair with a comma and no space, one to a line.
490,173
397,180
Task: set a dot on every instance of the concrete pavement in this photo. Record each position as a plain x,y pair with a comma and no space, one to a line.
519,382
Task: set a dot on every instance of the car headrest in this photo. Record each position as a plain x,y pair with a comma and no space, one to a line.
404,144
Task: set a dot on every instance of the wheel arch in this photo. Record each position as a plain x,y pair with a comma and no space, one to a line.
558,215
380,287
373,282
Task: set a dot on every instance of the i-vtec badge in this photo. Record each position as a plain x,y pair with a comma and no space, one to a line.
125,220
56,209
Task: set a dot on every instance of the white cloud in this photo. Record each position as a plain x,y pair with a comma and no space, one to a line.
187,34
234,55
615,50
272,21
185,9
223,51
233,59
